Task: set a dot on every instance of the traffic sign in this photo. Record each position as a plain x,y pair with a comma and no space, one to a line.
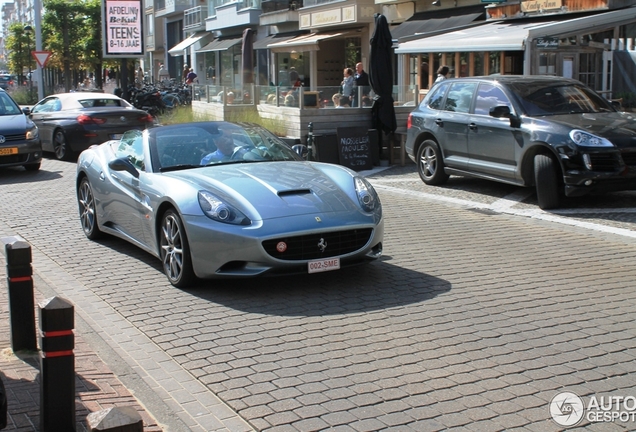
41,57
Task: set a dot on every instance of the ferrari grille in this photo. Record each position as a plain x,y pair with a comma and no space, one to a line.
316,246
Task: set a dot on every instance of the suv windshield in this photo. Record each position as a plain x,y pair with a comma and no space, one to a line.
559,99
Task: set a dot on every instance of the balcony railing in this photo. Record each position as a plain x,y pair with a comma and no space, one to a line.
281,5
195,17
164,7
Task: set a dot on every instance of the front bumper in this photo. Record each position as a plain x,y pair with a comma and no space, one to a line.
28,153
238,252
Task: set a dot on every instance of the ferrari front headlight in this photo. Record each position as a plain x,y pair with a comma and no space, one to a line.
367,196
217,209
586,139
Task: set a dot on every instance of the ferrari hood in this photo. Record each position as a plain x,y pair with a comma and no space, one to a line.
278,189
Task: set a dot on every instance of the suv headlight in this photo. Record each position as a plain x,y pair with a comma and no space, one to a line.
367,196
220,211
586,139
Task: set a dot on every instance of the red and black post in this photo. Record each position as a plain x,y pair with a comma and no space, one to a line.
57,365
21,304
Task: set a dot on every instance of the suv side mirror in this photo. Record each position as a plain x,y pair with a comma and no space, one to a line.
503,111
500,111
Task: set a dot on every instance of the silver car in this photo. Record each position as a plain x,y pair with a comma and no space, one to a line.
217,199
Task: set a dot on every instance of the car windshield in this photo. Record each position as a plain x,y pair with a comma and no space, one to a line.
559,99
195,145
8,106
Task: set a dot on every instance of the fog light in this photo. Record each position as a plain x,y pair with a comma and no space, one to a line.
588,182
587,161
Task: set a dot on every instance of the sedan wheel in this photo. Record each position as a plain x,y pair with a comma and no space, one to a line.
88,214
430,165
60,146
175,252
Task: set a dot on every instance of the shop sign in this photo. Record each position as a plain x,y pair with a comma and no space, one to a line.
540,5
547,42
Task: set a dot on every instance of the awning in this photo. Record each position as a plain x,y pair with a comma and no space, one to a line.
512,35
494,36
220,44
306,42
447,19
277,38
179,49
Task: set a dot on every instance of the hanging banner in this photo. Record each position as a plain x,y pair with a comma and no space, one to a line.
123,34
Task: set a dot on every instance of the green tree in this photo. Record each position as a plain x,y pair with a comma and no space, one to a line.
72,32
19,44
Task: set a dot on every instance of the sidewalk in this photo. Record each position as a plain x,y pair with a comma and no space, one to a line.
96,387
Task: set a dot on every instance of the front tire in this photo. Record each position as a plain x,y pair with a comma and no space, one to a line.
545,178
87,210
61,147
175,251
32,167
430,165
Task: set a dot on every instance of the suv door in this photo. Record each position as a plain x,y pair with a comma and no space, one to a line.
492,142
452,121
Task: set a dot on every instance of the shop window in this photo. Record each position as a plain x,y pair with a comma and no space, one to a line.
463,64
589,68
547,63
494,61
479,64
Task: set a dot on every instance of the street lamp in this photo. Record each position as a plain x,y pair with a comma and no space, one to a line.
28,30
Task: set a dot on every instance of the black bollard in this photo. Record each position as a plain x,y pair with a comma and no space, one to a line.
21,304
57,366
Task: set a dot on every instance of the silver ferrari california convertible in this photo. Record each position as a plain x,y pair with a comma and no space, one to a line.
218,199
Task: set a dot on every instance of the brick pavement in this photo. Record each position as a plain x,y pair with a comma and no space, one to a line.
96,386
472,320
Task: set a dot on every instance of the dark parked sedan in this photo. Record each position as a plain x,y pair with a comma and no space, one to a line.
19,138
72,122
552,133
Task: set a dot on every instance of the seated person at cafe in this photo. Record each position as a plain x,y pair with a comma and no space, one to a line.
225,150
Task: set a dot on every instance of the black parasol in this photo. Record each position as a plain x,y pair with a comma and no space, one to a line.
381,77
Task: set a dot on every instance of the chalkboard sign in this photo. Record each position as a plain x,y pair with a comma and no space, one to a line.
354,148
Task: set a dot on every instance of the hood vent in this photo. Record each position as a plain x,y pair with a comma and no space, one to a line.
283,194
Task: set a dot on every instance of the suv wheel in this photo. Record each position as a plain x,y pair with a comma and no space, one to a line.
545,178
430,165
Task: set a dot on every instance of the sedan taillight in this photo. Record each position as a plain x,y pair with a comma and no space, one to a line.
147,119
84,119
409,121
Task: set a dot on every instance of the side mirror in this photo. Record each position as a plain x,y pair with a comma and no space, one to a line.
503,111
301,150
500,111
26,110
124,164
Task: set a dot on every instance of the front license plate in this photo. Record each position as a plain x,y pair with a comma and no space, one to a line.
8,151
116,136
323,265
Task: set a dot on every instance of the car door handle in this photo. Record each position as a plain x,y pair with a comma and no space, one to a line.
472,126
102,177
439,122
